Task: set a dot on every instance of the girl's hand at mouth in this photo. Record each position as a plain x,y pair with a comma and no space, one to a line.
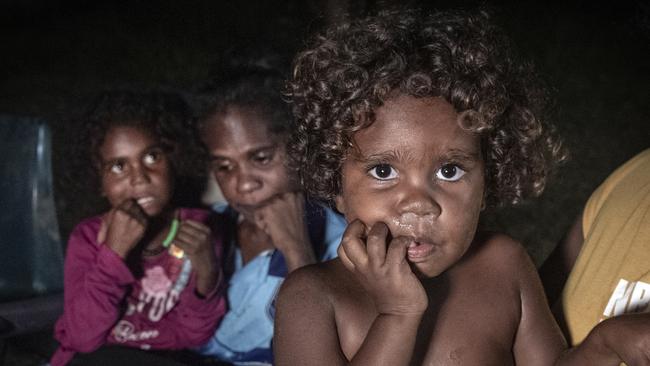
123,227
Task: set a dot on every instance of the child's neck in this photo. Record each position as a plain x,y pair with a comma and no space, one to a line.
157,230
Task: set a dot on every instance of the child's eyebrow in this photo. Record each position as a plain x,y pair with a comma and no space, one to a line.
215,157
250,152
156,146
457,155
384,156
263,148
108,162
460,156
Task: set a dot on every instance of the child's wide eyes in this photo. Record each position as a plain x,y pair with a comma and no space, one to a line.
151,157
383,172
262,157
117,167
450,173
220,165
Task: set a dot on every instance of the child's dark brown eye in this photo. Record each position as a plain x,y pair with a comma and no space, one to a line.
450,172
151,157
262,158
221,167
116,168
382,172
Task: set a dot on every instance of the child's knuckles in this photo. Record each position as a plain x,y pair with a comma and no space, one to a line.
375,238
348,243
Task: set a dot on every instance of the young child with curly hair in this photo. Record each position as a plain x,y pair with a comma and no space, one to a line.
412,123
144,274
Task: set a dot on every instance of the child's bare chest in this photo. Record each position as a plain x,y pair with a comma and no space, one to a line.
466,324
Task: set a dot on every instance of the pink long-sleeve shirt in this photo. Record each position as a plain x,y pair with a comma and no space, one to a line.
105,303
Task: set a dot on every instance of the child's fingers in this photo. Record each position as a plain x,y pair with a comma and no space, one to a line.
131,208
345,260
353,244
376,243
194,227
191,235
396,254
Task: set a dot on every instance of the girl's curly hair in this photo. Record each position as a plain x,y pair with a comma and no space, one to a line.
354,67
163,113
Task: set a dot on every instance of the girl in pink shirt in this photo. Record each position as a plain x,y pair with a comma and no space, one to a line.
145,273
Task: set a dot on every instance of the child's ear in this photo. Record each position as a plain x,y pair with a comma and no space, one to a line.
340,205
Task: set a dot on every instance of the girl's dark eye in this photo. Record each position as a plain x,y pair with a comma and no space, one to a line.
383,172
262,158
116,168
151,157
450,173
221,166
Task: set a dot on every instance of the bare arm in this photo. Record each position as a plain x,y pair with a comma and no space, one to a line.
539,340
556,269
96,283
305,328
283,219
625,338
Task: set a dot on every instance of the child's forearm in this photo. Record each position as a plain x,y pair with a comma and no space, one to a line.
93,293
207,280
390,341
588,354
625,338
208,274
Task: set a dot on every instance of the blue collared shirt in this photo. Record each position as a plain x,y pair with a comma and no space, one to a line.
245,333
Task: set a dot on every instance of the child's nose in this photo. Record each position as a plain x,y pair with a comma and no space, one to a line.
247,182
139,175
419,201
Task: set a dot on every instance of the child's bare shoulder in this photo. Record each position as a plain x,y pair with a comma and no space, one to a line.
499,255
493,247
313,283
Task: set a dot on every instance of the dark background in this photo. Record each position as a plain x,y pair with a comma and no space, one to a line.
595,57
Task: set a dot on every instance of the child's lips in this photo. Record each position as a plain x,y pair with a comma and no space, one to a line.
145,201
418,250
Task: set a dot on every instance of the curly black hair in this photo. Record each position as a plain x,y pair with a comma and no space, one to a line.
250,87
164,113
354,67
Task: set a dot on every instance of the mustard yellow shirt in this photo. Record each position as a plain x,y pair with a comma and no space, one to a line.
612,273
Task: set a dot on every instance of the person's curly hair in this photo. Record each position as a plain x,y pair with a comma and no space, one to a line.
354,67
165,114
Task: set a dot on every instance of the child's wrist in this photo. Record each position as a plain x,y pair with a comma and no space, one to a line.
598,344
404,319
299,254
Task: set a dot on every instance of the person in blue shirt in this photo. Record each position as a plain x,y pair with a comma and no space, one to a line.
274,229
